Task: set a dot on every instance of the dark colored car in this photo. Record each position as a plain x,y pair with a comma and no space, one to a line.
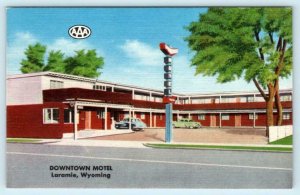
136,124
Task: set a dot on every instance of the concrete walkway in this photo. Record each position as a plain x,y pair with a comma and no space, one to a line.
140,144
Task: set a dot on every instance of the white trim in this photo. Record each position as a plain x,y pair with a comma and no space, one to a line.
51,116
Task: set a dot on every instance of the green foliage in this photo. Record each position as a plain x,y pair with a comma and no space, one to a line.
84,63
56,62
234,43
34,61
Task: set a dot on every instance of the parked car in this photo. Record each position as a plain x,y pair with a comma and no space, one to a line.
186,123
136,124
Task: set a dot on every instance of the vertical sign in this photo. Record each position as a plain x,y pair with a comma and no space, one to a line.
169,52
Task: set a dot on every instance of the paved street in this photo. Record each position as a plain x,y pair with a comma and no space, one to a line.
202,135
28,165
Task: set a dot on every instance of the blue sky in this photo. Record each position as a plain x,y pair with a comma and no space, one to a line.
127,38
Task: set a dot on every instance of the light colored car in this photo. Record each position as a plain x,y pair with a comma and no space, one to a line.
186,123
136,124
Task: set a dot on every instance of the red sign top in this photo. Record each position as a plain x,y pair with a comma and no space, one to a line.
168,50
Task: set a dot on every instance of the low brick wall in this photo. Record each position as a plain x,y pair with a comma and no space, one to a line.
279,132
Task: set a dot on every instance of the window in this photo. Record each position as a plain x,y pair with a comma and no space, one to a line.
225,117
99,87
142,116
56,84
50,115
250,99
285,98
286,116
101,114
201,116
251,116
68,116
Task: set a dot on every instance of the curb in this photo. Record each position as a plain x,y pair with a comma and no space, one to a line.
219,149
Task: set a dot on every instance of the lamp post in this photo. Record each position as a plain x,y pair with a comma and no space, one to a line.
168,98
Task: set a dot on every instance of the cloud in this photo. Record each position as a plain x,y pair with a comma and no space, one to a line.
15,50
142,53
68,47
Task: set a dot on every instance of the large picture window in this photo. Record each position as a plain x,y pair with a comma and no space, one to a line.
51,115
68,116
225,117
201,116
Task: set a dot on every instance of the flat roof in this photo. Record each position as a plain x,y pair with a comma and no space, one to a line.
134,87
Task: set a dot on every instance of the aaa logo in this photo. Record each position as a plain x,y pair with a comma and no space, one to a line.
79,32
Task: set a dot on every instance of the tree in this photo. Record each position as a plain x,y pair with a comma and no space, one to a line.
56,62
84,64
34,61
250,43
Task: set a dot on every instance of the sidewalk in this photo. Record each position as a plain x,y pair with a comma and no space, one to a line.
140,144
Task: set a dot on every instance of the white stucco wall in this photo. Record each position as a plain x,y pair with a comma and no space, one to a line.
24,90
67,83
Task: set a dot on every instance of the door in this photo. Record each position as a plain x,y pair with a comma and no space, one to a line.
238,120
213,120
87,122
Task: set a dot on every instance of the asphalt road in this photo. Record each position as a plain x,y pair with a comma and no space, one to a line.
28,165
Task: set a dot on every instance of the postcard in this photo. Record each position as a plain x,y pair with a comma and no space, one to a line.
149,97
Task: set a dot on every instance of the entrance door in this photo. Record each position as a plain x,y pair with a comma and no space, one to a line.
238,120
213,120
87,122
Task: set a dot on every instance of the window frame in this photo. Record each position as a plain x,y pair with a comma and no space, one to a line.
201,117
51,120
286,116
225,115
55,84
71,114
251,116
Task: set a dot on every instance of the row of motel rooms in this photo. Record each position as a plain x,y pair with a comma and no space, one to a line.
48,104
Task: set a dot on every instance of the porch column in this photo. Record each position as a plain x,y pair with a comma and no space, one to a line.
189,100
178,115
150,118
112,89
75,121
105,118
220,120
254,116
254,97
189,115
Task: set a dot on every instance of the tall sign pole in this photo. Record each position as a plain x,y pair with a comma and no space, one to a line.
168,98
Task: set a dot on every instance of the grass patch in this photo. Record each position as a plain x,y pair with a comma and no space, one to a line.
284,141
247,148
21,140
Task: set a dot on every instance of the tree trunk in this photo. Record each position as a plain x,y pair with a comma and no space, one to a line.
278,106
269,111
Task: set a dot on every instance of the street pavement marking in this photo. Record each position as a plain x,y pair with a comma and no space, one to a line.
152,161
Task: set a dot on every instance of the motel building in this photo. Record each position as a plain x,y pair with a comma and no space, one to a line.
53,105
